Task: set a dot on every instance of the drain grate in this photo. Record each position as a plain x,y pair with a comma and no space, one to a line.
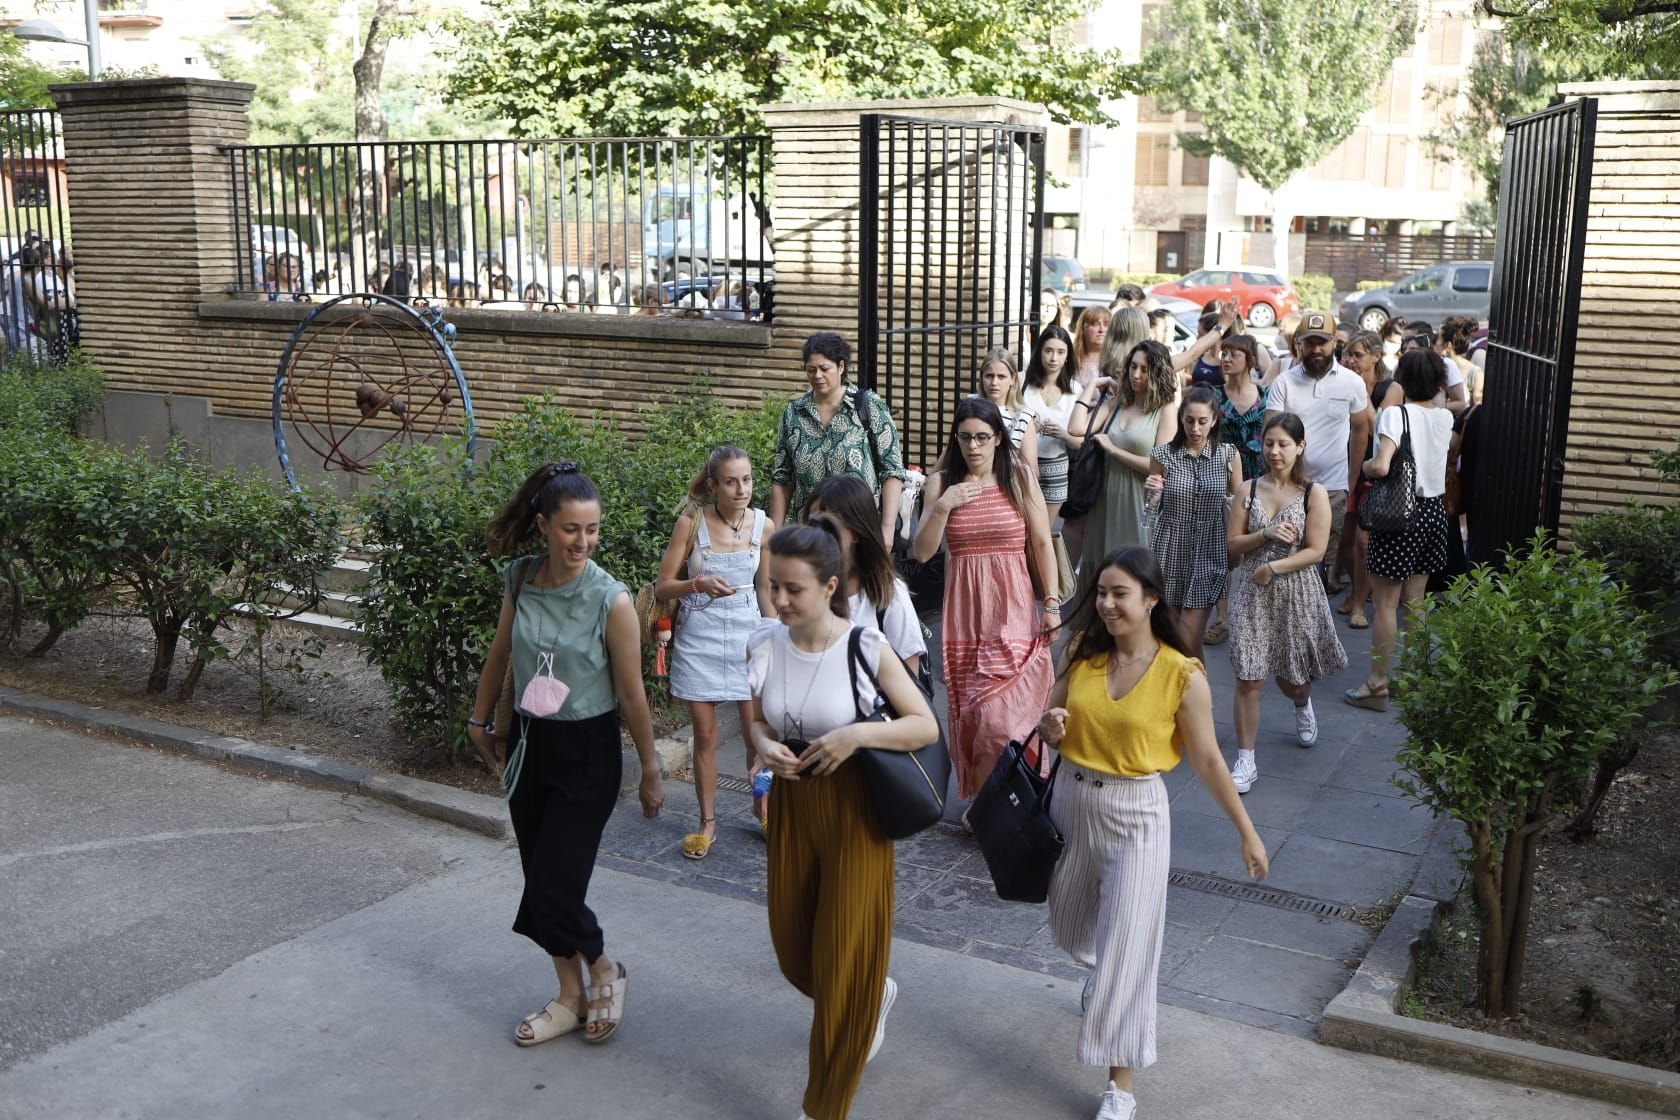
1265,896
731,784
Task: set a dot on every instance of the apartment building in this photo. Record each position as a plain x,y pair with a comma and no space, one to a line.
1132,200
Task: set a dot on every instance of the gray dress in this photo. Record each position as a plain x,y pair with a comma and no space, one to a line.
1284,629
1117,520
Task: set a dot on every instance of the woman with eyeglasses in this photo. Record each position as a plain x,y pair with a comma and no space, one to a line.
989,515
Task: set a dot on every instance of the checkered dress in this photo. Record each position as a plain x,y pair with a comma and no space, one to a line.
1189,536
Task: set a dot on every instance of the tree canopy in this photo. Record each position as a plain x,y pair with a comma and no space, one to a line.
24,82
1278,82
673,67
1615,38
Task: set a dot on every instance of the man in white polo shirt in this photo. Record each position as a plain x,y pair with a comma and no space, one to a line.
1335,409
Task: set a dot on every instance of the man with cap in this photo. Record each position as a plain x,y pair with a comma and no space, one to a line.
1335,409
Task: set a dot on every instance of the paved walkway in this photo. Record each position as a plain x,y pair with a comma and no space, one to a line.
180,942
1342,840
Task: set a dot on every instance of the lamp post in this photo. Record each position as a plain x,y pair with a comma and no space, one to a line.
45,31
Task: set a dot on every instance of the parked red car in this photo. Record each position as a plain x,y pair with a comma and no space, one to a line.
1262,295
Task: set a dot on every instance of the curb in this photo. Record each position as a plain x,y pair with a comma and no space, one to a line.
1365,1017
476,812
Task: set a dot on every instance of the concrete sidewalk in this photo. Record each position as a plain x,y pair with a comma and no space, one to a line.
182,942
1342,839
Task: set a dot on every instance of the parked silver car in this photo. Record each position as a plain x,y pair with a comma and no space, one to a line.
1431,294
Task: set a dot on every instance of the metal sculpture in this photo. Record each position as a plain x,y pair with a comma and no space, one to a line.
376,365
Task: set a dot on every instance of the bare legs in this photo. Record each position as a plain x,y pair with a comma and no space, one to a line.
573,998
1389,594
705,763
1122,1078
1191,624
1245,713
1361,575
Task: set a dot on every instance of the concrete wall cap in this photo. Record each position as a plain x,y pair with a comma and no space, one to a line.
717,332
151,89
783,114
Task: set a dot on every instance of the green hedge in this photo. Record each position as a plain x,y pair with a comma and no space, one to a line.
1640,545
38,398
1317,292
434,591
1371,285
1144,280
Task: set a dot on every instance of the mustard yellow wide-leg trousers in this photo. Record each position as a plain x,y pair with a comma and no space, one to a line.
831,910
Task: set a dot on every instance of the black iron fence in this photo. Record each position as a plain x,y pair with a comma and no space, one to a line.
1543,192
952,217
609,226
37,277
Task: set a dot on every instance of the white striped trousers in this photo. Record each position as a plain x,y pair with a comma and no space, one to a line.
1108,904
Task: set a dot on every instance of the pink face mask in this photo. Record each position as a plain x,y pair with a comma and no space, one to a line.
545,692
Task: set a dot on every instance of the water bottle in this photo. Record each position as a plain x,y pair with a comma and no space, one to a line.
761,783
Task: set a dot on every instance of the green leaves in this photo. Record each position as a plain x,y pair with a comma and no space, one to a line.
673,67
434,591
1278,82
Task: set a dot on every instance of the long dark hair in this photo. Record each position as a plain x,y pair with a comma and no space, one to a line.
820,550
845,500
548,488
1091,638
1295,429
1163,382
1036,377
1197,394
1004,464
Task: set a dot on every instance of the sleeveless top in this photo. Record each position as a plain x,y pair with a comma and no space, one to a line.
569,621
1136,735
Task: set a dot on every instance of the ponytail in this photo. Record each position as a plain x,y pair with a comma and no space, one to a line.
700,491
548,488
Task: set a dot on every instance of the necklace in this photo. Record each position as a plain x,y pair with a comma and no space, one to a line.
793,726
735,528
1119,663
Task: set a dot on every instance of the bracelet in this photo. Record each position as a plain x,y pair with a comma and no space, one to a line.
1052,608
694,586
480,723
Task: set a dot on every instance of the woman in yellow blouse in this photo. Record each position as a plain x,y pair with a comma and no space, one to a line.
1129,704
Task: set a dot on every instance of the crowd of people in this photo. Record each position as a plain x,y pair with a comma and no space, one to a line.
39,315
607,289
1226,483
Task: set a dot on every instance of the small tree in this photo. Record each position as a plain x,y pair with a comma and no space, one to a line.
1510,686
1278,82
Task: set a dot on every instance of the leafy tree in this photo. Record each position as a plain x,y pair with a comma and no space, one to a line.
1278,82
24,82
1622,38
672,67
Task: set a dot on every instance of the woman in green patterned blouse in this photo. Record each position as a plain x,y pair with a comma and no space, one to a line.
822,433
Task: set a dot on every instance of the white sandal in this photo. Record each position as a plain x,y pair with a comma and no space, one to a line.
612,1015
561,1020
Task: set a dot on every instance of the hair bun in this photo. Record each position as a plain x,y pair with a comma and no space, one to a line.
566,466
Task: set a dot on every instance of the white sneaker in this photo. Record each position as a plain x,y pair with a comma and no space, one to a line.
1116,1105
1306,725
1244,774
887,998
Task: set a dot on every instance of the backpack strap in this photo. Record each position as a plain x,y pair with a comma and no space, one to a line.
865,414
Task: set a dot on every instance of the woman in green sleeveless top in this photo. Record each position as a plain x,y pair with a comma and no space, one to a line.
572,633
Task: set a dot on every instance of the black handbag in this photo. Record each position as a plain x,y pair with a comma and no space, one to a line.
1391,503
1085,473
908,787
1011,820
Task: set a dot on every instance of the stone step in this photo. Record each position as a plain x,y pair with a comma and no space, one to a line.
326,625
338,604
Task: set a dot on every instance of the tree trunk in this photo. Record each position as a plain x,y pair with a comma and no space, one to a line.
191,681
1283,218
1490,950
1526,841
55,630
369,70
168,636
1610,763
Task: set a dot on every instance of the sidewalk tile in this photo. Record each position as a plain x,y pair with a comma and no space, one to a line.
1397,824
974,910
1262,976
1341,872
1197,909
1276,801
1209,845
1334,938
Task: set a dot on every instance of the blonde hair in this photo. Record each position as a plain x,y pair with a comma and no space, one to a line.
1086,317
699,492
1126,330
1012,399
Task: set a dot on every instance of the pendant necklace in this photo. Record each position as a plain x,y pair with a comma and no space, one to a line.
793,726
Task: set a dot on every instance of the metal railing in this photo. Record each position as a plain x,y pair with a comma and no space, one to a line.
35,258
637,225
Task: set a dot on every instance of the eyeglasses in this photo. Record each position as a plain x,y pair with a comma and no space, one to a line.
977,439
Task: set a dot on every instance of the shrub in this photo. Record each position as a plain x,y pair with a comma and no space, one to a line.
1510,685
1317,291
1144,280
39,398
433,590
1371,285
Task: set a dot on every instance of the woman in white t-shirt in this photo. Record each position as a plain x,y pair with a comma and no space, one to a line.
843,505
1400,563
830,867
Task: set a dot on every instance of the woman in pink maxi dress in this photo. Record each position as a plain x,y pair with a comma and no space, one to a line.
995,651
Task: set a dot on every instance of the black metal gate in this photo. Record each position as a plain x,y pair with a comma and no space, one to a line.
1541,237
952,216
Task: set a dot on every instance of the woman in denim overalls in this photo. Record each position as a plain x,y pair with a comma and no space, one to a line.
714,566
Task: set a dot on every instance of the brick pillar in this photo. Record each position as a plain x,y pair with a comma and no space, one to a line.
151,213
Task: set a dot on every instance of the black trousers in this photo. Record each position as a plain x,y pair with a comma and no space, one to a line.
567,789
